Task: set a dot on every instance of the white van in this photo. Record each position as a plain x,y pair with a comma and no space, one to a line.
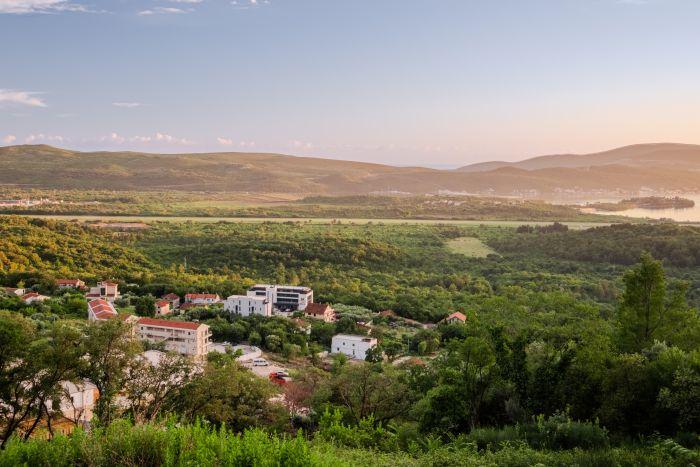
260,362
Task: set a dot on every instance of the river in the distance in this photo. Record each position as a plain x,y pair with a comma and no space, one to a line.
679,215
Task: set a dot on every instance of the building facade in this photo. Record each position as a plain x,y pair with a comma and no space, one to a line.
202,298
245,306
355,347
284,297
186,338
320,311
106,290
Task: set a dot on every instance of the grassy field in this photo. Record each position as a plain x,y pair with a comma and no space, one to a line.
310,220
470,246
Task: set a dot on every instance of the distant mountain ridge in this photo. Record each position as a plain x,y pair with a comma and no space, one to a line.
627,170
638,155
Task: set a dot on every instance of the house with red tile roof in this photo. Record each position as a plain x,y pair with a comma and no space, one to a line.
202,298
163,308
320,311
455,318
100,310
13,291
32,297
184,337
174,300
70,284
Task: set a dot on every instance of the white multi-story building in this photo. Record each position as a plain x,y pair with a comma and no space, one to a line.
284,297
186,338
355,347
246,306
105,290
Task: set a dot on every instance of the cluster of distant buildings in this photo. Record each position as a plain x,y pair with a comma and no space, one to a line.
193,339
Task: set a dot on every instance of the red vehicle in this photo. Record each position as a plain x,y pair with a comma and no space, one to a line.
279,377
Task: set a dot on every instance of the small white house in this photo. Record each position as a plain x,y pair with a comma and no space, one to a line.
355,347
245,306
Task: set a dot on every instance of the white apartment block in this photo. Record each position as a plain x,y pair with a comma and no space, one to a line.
245,306
284,297
106,290
355,347
186,338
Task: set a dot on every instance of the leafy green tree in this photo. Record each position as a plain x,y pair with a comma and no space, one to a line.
225,393
145,306
649,311
111,350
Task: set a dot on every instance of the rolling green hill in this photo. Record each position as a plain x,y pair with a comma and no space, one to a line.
659,167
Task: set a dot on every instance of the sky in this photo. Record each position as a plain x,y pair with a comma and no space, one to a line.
439,83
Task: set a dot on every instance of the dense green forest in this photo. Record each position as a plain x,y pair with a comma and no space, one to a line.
572,353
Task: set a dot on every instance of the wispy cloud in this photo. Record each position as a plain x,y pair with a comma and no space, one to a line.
163,10
127,105
157,138
23,7
246,4
14,97
229,142
43,138
9,139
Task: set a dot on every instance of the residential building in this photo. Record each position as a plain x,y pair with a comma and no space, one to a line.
202,298
186,338
106,290
70,284
455,318
100,310
174,300
163,308
78,402
13,291
246,306
32,297
320,311
284,297
355,347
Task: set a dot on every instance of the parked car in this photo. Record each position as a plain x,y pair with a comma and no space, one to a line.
279,377
260,362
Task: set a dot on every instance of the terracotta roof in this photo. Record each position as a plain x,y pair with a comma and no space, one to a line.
169,324
456,315
29,295
68,281
171,296
108,283
160,303
317,309
102,309
201,295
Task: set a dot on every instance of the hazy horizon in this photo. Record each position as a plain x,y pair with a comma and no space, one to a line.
437,84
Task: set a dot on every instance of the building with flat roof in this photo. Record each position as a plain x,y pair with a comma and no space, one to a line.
284,297
353,346
245,306
106,290
184,337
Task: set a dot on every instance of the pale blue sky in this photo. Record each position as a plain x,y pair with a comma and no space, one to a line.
433,82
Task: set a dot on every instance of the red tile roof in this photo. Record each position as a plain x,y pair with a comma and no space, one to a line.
161,303
74,282
318,309
107,283
193,296
171,296
102,309
29,295
169,324
456,315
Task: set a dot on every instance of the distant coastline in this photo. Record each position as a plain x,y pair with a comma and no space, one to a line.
649,202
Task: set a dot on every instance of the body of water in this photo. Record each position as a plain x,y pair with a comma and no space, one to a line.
679,215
